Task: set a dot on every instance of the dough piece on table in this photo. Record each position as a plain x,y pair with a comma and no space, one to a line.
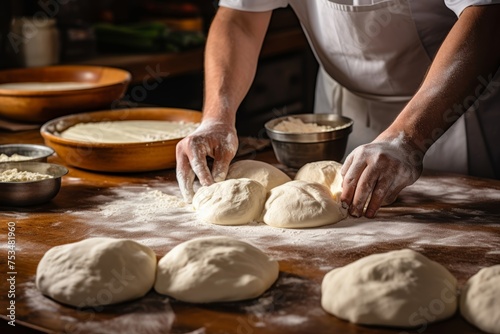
264,173
96,271
480,300
325,172
230,202
215,269
399,288
299,204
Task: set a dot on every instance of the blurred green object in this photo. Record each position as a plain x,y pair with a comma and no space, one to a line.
149,36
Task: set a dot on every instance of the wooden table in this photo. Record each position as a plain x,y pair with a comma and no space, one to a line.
451,219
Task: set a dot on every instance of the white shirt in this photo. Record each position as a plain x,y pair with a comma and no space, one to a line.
433,18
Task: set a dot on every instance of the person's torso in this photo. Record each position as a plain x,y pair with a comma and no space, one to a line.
381,47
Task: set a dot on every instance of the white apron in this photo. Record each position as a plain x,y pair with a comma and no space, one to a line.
378,62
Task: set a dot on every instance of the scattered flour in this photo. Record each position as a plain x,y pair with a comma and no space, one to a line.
13,157
156,216
14,175
161,220
128,131
296,125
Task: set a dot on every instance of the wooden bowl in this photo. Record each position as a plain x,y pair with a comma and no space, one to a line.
105,85
119,157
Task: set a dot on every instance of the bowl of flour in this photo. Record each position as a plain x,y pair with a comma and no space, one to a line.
24,152
303,138
27,183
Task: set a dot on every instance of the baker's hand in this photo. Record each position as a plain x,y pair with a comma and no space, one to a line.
217,140
381,170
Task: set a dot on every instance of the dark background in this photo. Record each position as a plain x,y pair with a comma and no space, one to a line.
284,83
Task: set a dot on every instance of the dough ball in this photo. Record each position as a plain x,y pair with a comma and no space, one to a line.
480,300
298,204
230,202
400,288
264,173
96,271
325,172
215,269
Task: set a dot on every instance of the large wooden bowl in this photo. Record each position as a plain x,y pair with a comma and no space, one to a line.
120,157
35,106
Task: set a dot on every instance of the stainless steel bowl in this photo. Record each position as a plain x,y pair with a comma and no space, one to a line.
296,149
31,192
38,153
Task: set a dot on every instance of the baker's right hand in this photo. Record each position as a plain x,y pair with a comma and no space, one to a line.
213,139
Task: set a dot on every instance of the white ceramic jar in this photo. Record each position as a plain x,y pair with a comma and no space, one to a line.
34,42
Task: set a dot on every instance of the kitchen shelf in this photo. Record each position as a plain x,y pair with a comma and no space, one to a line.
179,63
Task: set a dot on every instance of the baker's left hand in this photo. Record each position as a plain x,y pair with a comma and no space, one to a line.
380,169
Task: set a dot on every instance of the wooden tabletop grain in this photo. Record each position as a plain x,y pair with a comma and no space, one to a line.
452,219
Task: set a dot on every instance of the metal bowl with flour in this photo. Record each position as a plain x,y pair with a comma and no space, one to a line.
26,191
24,152
295,149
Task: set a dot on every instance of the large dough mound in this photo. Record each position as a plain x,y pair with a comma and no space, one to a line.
264,173
299,204
480,300
230,202
96,271
215,269
325,172
399,288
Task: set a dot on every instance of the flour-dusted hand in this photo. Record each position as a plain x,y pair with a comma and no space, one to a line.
213,139
381,170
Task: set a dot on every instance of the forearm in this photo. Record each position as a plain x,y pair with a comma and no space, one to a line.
466,61
231,56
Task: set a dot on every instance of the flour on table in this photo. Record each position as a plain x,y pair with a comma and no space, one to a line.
15,175
296,125
128,131
152,315
157,216
13,157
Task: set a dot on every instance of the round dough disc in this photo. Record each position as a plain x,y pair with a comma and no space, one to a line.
399,288
215,269
264,173
480,300
230,202
325,172
96,271
299,204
